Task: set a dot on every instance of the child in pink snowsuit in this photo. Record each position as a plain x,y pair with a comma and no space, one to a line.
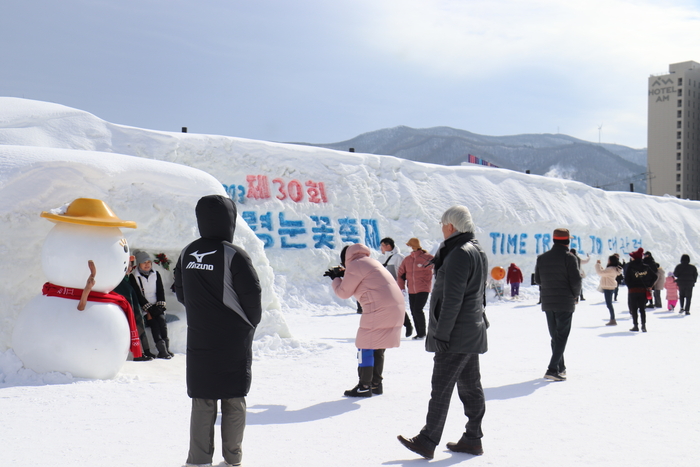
671,291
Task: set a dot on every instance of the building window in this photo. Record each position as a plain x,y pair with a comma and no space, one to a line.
679,124
680,81
680,92
678,135
678,167
680,102
678,145
680,114
678,156
678,187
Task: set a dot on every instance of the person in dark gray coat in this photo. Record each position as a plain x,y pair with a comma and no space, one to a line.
558,275
218,285
457,335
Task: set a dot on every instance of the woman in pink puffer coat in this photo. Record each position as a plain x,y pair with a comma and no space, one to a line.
382,315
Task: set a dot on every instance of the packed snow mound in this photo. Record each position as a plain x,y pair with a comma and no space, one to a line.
159,196
306,203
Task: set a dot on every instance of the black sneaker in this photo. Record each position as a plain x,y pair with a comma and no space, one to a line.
418,446
415,338
554,376
644,328
359,391
634,328
144,358
409,330
377,389
687,312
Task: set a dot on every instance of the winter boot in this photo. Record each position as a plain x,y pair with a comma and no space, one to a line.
378,369
167,346
163,350
634,328
409,326
644,328
612,322
359,391
364,387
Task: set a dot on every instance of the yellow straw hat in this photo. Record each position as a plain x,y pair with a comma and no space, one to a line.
88,211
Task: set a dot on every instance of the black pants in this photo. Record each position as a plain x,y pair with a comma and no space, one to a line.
637,303
685,294
559,324
417,302
463,370
159,329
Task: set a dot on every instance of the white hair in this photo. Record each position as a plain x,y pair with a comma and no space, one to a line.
460,218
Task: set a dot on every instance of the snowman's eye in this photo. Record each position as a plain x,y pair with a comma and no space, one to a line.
126,249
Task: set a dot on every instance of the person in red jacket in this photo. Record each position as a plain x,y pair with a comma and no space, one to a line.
417,270
514,278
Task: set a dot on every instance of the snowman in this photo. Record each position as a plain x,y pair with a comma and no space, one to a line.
78,325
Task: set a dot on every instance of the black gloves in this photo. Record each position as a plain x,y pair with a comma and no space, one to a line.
441,346
334,272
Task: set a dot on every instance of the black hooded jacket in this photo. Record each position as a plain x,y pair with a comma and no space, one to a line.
686,274
219,287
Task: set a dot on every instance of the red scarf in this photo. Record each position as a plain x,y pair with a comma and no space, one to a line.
53,290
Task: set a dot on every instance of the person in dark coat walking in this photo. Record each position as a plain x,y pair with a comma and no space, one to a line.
557,272
651,263
457,335
639,279
218,285
686,276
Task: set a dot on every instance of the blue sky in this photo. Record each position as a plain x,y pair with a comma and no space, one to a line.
325,71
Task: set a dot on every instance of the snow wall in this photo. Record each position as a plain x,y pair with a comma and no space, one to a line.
159,196
306,203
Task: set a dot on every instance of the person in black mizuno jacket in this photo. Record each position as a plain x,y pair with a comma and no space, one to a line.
218,285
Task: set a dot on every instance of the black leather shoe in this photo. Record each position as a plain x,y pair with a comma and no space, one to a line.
468,446
418,446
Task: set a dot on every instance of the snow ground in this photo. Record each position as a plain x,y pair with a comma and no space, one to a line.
630,399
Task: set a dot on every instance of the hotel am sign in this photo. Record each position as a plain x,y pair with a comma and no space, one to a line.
662,89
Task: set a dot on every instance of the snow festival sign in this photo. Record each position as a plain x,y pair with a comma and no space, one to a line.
522,244
281,228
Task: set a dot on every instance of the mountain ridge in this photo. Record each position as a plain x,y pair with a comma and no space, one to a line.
605,165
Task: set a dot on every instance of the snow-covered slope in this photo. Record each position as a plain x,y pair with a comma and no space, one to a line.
306,202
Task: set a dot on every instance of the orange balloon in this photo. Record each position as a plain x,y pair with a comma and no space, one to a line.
498,273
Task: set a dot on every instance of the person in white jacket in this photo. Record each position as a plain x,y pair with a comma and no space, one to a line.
608,283
391,259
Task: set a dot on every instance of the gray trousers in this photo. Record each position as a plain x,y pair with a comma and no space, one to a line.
450,369
202,420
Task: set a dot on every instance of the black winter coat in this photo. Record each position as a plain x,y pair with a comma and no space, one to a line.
218,285
639,275
686,274
559,277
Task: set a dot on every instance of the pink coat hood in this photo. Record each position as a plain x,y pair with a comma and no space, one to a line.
382,302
